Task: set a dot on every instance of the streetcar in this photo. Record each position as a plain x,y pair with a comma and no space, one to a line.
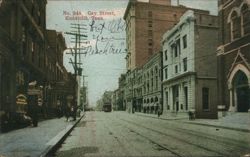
107,107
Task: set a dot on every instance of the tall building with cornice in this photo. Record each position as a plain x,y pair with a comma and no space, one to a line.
146,23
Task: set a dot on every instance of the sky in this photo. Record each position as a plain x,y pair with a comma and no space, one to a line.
104,47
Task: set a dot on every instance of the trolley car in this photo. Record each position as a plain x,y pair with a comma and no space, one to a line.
107,107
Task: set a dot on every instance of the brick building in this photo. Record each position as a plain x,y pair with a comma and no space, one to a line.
56,71
22,48
27,55
234,55
189,66
146,23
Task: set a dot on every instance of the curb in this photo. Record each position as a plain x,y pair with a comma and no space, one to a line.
194,123
218,126
59,138
160,117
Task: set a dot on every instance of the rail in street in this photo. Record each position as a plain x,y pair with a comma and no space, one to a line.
122,134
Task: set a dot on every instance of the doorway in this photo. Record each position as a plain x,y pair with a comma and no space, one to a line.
242,91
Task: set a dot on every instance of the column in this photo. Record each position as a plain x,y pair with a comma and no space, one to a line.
232,100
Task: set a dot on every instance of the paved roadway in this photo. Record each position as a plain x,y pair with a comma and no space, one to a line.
122,134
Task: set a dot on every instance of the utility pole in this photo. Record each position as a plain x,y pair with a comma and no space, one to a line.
78,38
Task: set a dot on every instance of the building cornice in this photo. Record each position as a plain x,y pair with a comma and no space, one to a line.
189,73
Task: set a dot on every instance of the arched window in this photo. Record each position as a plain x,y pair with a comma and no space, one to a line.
235,26
156,99
156,69
245,19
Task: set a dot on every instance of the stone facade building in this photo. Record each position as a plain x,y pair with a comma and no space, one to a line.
234,56
152,85
146,23
189,66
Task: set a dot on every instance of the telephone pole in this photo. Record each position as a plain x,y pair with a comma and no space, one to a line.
78,39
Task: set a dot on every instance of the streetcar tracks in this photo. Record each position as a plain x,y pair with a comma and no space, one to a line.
218,152
223,140
159,146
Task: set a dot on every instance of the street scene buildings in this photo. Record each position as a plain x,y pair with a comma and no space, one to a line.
184,89
31,64
202,58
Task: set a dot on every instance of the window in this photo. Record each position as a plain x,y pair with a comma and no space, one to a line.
166,73
173,50
152,83
205,98
32,52
150,33
150,14
178,46
185,64
150,24
245,20
156,82
166,55
150,42
167,100
23,40
176,69
235,26
150,51
184,40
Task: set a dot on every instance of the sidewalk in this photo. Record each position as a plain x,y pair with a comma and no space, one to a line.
235,121
172,116
38,141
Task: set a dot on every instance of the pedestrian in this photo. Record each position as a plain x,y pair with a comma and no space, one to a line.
58,109
191,115
67,111
159,112
33,109
73,110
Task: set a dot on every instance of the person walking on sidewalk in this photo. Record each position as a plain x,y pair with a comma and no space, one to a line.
67,111
159,112
33,109
73,110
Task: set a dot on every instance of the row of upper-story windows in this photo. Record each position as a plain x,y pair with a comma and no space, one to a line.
177,68
153,99
176,47
151,73
239,20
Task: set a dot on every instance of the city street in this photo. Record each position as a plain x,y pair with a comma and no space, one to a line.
123,134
